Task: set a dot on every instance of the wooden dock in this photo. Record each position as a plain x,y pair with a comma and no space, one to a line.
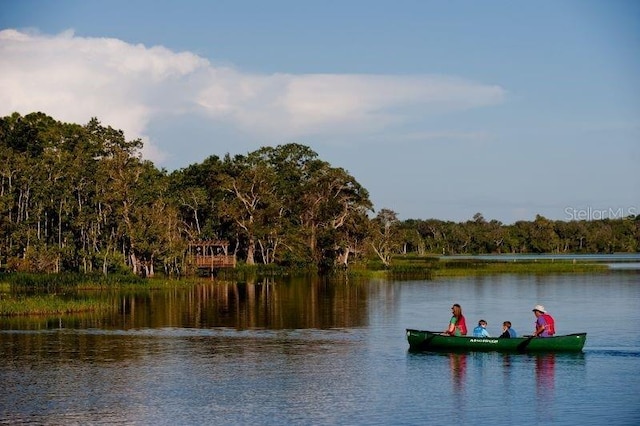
215,261
211,255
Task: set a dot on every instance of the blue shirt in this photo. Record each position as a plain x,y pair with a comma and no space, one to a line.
480,331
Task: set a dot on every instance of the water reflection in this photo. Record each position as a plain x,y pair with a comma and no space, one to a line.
458,366
270,304
216,310
545,368
64,347
545,376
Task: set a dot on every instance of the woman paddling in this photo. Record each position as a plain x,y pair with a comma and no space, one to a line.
457,324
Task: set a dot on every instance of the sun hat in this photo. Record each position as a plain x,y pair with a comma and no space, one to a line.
539,308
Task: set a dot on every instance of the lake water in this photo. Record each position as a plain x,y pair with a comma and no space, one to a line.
315,352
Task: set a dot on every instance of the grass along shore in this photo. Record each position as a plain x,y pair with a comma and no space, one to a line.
434,267
44,294
50,305
472,267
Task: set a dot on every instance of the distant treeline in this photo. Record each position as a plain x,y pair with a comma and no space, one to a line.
80,198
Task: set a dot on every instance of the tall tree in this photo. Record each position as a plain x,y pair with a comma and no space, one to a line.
386,236
250,186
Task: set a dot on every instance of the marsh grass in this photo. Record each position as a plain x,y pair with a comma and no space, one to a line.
62,294
473,267
50,305
48,283
58,294
432,267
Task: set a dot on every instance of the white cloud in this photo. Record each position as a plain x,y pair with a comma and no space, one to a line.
73,79
124,85
315,103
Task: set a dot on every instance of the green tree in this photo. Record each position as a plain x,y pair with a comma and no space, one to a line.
250,188
385,235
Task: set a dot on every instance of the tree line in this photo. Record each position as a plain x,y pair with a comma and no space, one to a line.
81,198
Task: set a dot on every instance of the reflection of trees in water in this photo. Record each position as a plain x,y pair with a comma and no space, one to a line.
67,347
267,303
264,304
272,303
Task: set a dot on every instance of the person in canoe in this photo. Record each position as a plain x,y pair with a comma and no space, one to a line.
481,329
507,331
545,324
457,324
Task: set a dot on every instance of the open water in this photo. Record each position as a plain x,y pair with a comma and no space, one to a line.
317,353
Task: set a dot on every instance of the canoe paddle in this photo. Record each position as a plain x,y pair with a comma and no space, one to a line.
522,346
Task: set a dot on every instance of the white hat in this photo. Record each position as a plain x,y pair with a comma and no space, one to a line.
539,308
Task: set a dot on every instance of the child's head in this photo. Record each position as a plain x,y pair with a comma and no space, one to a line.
506,324
482,323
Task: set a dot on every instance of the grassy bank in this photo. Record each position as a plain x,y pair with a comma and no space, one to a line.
430,267
56,294
61,294
471,268
66,280
434,267
50,305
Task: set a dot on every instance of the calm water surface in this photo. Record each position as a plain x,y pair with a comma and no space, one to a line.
313,352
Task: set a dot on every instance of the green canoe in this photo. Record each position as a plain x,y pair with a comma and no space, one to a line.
420,340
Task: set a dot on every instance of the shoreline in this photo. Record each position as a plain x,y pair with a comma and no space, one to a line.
28,295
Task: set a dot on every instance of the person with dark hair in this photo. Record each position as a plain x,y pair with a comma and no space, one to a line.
481,329
507,331
457,324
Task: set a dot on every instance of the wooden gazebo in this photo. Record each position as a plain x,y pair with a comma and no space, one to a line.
211,255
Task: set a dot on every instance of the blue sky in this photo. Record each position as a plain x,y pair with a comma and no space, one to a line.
441,109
